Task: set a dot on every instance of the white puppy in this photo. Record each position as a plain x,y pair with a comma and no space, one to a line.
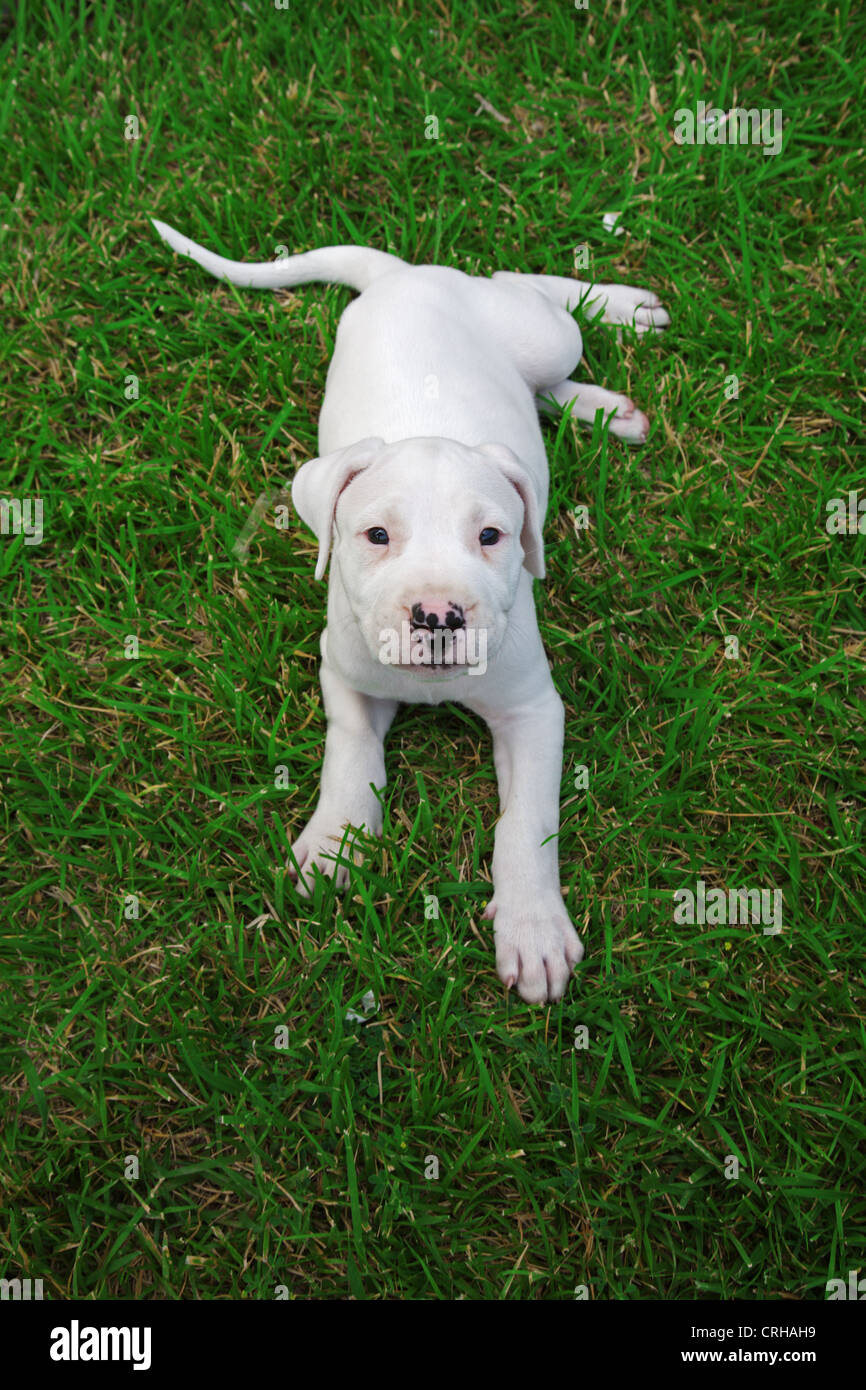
431,488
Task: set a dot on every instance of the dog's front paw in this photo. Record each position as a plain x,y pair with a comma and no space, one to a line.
536,946
318,847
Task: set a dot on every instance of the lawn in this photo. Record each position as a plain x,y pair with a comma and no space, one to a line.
190,1109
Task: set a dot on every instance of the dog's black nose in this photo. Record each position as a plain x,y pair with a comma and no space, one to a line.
438,613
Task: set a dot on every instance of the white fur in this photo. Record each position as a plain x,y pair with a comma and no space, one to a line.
429,430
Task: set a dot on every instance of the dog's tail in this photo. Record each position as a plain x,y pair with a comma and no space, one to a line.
355,266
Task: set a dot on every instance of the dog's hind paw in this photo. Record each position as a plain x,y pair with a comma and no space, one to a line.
629,423
623,304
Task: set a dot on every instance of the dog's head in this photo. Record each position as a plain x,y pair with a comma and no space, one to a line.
429,537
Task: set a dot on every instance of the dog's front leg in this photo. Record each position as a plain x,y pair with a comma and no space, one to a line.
354,766
536,944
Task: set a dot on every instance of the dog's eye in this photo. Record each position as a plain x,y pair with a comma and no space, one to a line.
489,536
377,535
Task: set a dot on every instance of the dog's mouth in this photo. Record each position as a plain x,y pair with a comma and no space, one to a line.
433,668
431,658
433,653
428,667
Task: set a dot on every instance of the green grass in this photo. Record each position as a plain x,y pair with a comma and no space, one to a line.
151,781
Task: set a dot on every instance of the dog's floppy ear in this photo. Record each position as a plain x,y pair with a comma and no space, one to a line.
317,485
531,537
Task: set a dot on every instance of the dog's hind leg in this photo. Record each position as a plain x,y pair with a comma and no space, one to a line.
624,419
619,304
